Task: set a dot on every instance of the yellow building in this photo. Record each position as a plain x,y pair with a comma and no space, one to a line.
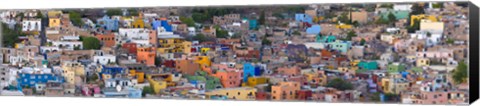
423,62
203,60
77,68
354,62
157,83
423,16
173,44
54,14
53,22
319,78
138,23
389,86
344,26
254,81
204,50
140,76
242,93
69,76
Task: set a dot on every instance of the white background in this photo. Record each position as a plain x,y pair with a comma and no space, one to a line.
68,101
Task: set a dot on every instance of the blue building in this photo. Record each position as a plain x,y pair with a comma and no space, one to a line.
111,71
162,23
31,80
300,17
368,65
315,29
325,39
107,23
128,92
252,24
250,70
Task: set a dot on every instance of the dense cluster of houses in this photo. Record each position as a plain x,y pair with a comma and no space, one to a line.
305,56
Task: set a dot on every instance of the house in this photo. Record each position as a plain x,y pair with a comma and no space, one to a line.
146,56
429,25
104,59
289,70
209,31
422,62
399,14
31,25
30,79
252,24
107,72
173,44
229,78
402,7
90,90
205,81
300,17
372,65
341,46
54,88
432,18
285,90
124,92
314,30
157,82
107,40
359,16
250,70
241,93
394,85
186,66
395,68
108,23
254,81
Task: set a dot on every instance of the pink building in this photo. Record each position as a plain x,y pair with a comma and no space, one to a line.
90,90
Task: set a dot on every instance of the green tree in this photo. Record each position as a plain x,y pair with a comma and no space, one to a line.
340,84
355,23
429,34
200,38
344,18
265,41
92,78
261,19
414,27
132,12
221,33
10,36
390,6
39,14
362,42
112,12
91,43
296,33
200,17
391,17
187,20
76,18
351,34
460,74
450,41
417,9
147,90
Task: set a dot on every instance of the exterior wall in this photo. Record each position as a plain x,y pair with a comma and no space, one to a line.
229,79
187,66
146,56
285,91
54,22
108,40
244,93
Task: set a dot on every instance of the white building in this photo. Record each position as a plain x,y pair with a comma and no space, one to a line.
69,45
130,34
31,25
104,59
402,7
432,38
428,25
192,31
46,49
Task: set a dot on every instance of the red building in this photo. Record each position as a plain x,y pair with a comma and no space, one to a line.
262,96
304,95
131,47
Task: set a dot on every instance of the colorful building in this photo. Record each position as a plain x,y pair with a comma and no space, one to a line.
395,68
108,23
107,40
157,82
242,93
146,56
186,66
372,65
203,77
419,17
254,81
285,91
173,44
30,80
249,70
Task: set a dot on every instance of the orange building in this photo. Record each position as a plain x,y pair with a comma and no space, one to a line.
229,79
153,39
108,40
289,70
186,66
146,56
140,76
285,90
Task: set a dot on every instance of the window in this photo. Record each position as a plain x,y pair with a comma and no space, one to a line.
238,93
